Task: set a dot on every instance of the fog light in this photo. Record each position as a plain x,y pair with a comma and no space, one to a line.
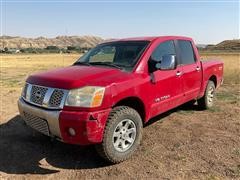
71,131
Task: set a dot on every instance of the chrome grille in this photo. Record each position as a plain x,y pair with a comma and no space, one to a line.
56,98
38,94
36,123
46,97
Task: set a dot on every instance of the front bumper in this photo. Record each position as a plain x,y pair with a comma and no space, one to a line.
88,126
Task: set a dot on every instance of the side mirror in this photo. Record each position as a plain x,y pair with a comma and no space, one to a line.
168,62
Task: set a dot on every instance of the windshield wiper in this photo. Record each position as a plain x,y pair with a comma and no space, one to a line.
106,64
82,63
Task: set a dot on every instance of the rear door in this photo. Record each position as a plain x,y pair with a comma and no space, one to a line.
191,72
167,90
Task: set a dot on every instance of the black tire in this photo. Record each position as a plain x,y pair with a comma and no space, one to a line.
106,149
206,102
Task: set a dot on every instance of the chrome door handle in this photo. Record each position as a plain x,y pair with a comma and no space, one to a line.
178,73
197,68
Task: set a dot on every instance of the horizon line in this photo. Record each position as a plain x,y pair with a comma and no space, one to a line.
53,37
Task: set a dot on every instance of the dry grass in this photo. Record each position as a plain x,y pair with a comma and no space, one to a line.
15,68
231,65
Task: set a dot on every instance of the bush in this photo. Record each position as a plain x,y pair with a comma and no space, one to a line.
52,48
72,48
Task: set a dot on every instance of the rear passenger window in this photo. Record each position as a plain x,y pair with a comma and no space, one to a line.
186,52
165,48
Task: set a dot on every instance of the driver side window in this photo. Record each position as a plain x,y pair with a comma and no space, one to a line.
165,48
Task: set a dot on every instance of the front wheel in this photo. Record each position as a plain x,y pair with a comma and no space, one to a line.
206,101
122,135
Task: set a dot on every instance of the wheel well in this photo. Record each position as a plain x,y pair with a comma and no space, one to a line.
213,78
134,103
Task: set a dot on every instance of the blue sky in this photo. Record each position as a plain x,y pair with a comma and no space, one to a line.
206,22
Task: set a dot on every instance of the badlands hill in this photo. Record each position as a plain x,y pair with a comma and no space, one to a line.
233,45
88,42
42,42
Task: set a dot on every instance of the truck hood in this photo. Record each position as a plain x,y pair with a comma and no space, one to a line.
77,76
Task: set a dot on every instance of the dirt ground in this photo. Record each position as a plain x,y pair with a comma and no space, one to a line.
184,143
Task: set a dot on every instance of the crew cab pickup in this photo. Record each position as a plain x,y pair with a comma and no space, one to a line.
107,95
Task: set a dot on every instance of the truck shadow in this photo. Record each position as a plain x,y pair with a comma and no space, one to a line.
190,106
22,150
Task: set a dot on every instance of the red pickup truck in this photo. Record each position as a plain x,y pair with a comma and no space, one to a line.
107,95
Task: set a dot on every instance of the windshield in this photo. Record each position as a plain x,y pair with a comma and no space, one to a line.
121,54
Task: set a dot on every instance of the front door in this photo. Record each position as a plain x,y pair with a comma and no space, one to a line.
167,87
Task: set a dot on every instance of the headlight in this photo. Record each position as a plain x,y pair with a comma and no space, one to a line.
24,90
88,96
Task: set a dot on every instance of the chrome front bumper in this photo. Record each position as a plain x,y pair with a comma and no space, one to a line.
50,116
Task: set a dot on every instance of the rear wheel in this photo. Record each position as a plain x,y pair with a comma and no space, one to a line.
207,100
122,135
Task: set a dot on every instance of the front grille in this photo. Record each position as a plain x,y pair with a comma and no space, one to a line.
44,96
38,94
36,123
56,98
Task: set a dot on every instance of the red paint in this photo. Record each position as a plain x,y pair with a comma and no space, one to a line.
120,85
87,131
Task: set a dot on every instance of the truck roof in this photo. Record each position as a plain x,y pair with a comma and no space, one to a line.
150,38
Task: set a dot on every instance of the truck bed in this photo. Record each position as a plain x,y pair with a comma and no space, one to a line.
211,68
